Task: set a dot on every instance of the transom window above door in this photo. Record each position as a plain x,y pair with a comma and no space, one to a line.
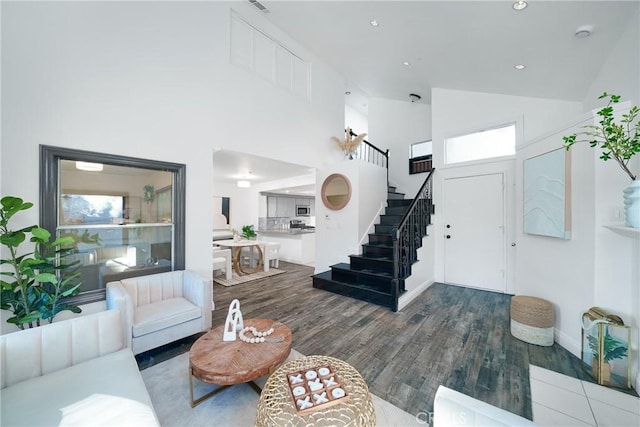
484,144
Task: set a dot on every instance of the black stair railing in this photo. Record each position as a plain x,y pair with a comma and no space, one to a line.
407,237
372,154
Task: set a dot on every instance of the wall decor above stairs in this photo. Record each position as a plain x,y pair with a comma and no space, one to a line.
377,275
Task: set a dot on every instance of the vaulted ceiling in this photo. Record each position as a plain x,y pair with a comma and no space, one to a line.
465,45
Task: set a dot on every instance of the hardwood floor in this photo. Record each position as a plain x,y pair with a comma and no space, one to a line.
449,335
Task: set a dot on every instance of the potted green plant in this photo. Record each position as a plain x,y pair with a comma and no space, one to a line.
248,232
613,348
619,141
37,282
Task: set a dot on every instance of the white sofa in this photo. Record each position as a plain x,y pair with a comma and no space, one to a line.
161,308
75,371
452,409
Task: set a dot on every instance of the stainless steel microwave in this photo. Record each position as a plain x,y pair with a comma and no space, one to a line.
302,210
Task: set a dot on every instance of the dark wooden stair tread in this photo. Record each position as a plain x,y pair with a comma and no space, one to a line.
369,276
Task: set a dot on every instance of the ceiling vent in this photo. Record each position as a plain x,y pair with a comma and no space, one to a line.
260,6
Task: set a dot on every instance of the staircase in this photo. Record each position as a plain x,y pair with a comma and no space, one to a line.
374,276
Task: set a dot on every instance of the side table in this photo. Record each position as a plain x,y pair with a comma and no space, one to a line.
276,407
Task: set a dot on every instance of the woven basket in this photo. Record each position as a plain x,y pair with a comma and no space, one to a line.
532,320
275,407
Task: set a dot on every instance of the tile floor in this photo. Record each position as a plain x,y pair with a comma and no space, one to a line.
558,400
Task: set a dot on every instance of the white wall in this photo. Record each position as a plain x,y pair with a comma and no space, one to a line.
151,80
616,284
370,194
597,266
457,112
395,125
358,122
338,232
560,271
620,72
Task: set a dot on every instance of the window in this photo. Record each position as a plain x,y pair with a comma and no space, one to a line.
163,198
485,144
121,231
420,157
263,55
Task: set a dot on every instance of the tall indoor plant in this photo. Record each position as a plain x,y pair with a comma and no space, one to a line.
34,285
619,141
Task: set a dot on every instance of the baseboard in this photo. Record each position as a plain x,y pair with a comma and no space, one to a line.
409,296
567,342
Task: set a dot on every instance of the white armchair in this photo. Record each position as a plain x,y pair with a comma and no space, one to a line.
222,261
161,308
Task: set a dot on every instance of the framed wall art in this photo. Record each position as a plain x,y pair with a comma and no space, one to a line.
547,196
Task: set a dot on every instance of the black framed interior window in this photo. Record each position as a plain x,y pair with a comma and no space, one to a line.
107,196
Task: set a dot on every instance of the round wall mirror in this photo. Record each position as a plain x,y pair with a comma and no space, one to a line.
336,191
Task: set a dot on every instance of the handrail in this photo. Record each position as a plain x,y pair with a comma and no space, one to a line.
372,154
386,153
407,236
426,182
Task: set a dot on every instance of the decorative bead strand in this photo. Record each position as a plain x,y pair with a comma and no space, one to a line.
258,336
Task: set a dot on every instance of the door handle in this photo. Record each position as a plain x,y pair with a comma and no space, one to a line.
448,225
448,236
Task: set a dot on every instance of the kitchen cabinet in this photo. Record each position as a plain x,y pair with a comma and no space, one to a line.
287,207
281,207
272,206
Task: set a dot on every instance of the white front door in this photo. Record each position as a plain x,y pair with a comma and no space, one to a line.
474,228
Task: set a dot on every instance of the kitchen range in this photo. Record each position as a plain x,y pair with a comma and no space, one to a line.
298,224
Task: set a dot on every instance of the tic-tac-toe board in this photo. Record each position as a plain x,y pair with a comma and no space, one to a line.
315,388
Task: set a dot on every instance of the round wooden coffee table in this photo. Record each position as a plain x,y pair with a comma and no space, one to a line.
226,363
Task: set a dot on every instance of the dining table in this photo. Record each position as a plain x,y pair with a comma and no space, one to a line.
236,254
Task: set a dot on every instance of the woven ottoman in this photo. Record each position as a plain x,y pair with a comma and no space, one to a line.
532,320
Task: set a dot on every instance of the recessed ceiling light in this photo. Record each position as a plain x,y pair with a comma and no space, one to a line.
406,63
519,66
519,5
347,93
244,184
584,31
374,23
